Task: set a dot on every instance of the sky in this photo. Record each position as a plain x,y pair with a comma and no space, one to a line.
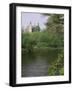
34,18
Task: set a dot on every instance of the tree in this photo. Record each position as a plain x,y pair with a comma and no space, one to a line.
55,23
36,28
55,26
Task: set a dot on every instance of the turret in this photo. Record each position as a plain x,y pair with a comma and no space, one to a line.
30,27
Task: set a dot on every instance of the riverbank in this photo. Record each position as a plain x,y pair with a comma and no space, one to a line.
42,49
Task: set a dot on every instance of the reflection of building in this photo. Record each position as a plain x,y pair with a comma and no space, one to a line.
28,28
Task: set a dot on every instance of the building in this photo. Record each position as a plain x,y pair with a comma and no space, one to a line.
28,28
31,28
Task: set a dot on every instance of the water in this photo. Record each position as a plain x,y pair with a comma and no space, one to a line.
37,63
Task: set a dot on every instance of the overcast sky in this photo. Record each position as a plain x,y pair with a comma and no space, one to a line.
34,18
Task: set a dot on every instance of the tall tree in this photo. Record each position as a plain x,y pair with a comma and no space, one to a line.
55,23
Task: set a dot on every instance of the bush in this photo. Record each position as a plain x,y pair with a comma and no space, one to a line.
40,39
57,68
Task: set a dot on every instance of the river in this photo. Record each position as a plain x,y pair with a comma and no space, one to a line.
37,63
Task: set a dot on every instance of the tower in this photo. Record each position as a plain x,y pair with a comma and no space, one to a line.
30,27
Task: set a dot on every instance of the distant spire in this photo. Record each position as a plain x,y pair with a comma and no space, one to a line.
30,27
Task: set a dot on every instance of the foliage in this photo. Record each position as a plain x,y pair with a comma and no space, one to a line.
36,28
27,41
55,23
57,68
40,39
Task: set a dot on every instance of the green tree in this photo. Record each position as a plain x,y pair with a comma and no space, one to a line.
36,28
55,23
27,42
55,26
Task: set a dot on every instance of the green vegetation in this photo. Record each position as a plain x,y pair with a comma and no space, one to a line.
55,23
40,40
36,28
58,67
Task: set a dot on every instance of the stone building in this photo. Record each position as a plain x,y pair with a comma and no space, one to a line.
28,28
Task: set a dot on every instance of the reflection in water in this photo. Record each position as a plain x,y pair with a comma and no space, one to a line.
37,63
